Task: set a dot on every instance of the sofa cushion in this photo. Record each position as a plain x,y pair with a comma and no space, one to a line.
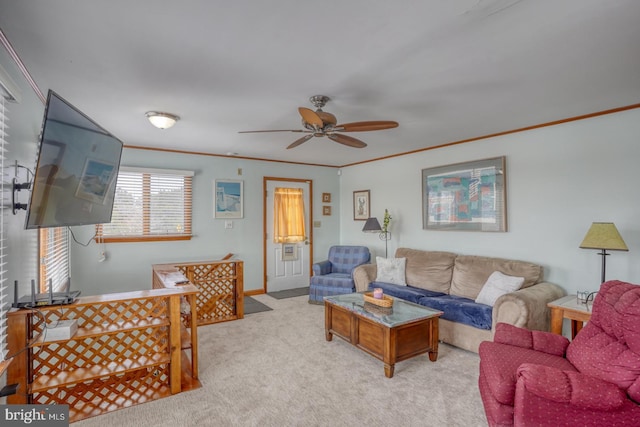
338,280
617,311
499,364
407,293
391,270
461,310
428,269
498,284
319,291
470,273
547,342
345,258
606,347
574,388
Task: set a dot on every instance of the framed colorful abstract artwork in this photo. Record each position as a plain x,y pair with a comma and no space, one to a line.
469,196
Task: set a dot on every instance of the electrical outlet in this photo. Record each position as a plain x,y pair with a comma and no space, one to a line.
228,224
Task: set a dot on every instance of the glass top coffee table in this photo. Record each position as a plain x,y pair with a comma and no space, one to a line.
391,334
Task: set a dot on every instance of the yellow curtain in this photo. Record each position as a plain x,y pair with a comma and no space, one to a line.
288,215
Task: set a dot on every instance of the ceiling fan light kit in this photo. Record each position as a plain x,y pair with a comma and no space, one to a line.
320,123
162,120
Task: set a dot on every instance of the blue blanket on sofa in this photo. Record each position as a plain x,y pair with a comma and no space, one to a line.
455,308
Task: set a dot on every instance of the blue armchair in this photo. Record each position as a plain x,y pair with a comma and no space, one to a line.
334,276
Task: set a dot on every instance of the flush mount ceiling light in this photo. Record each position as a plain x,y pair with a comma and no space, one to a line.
162,120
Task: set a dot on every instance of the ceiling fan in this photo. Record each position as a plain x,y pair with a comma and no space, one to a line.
320,123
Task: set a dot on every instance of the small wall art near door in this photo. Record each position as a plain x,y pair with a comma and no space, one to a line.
228,199
361,205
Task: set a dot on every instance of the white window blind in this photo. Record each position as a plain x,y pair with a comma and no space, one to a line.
6,202
54,258
150,204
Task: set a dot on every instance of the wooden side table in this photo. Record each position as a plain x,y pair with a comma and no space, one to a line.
569,308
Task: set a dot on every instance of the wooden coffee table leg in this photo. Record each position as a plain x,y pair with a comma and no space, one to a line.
327,321
388,370
435,330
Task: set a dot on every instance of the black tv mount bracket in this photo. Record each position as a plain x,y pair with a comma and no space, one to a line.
16,186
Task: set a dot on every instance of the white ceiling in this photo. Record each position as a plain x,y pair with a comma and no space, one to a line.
446,70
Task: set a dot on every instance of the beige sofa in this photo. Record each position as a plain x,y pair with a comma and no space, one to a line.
464,276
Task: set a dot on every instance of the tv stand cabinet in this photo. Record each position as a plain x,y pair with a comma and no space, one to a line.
126,350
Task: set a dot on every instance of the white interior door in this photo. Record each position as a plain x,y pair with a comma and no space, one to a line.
287,274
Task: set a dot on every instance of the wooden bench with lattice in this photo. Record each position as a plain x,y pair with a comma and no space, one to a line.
127,350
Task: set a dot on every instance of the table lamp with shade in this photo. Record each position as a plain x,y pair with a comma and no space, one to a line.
603,236
373,226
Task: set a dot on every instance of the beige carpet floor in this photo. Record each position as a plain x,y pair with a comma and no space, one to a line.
275,368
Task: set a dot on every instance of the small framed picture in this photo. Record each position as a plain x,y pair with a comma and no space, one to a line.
326,210
227,196
326,197
289,252
361,205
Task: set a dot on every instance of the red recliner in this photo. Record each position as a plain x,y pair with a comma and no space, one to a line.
534,378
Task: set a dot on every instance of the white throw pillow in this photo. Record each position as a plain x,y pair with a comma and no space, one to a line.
391,270
497,285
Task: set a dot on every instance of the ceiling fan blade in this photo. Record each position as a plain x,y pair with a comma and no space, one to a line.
346,140
299,141
327,118
310,117
366,126
276,130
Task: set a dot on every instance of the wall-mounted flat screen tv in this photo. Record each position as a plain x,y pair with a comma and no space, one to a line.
76,171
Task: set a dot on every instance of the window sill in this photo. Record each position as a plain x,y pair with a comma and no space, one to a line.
132,239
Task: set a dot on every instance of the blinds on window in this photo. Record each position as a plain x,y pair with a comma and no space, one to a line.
150,202
54,258
6,201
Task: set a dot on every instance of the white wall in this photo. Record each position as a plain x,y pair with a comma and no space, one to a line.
25,119
128,265
560,179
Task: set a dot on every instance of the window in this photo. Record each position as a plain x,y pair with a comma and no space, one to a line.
9,91
4,303
288,215
54,257
150,204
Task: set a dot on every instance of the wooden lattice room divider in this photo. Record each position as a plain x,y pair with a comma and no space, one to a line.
128,349
220,284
